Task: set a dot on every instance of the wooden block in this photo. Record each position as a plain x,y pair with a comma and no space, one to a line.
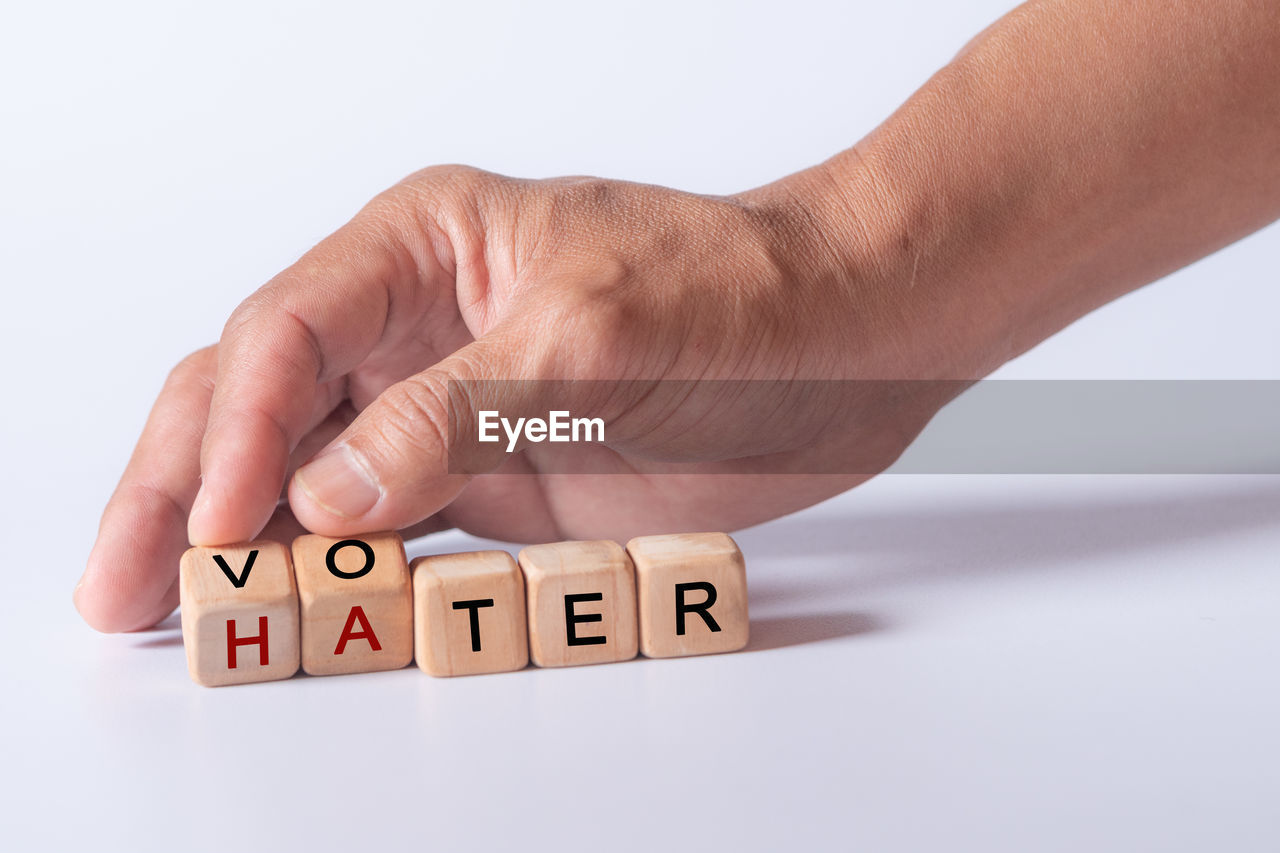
357,606
469,614
581,601
692,592
239,613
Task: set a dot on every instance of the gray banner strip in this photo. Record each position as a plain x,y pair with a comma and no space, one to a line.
1103,427
989,427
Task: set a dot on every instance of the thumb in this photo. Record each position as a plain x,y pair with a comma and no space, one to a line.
412,450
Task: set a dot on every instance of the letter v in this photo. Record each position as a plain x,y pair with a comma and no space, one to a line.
237,582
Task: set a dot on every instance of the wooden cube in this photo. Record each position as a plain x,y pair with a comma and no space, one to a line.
239,613
581,600
357,606
692,592
469,614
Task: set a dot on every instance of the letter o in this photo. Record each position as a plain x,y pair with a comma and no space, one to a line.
332,565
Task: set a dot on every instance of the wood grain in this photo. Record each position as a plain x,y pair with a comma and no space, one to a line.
469,614
356,603
227,607
692,594
581,599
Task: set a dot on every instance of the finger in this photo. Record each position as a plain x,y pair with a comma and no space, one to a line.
310,325
284,526
130,581
394,465
319,437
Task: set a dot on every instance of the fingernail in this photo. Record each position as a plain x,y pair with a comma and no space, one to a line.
339,482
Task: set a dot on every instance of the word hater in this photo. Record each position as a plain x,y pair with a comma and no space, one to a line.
260,610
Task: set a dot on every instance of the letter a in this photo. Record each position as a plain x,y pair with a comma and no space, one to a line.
365,632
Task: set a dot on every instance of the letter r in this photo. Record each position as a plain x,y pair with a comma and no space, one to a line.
703,609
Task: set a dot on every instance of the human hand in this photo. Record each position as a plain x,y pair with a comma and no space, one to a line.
460,275
1074,151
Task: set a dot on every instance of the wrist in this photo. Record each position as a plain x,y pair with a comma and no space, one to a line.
860,235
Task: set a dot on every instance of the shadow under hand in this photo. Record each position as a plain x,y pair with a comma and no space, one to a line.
165,635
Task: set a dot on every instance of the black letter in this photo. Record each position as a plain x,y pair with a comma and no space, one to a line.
338,546
700,609
237,582
571,619
474,606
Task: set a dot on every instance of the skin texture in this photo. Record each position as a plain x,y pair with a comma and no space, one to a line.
1072,152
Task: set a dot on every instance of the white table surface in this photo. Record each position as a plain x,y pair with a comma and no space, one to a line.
938,662
973,663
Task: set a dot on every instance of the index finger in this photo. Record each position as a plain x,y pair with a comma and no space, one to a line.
130,581
308,326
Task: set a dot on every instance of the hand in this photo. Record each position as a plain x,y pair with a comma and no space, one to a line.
457,274
1074,151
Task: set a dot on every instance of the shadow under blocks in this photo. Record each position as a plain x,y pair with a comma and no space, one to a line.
1051,531
260,611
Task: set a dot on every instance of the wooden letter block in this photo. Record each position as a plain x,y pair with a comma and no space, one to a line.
357,607
582,603
692,590
239,613
468,614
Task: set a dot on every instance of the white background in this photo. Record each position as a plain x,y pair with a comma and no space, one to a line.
978,663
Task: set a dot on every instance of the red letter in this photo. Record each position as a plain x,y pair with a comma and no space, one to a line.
365,632
233,641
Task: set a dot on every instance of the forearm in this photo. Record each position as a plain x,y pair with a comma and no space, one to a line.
1072,152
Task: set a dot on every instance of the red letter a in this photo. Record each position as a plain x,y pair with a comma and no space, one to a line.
365,632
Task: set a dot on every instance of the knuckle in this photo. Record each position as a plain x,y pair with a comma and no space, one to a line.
440,188
413,421
246,314
391,212
447,175
604,330
588,192
268,326
453,205
198,368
